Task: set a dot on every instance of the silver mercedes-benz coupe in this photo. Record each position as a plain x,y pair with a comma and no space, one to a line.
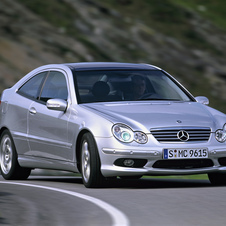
108,120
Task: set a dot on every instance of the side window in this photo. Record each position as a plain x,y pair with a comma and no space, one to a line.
33,86
55,87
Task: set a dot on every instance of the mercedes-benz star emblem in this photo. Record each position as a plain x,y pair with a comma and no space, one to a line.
183,135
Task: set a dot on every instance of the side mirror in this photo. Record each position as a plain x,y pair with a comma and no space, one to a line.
56,104
202,100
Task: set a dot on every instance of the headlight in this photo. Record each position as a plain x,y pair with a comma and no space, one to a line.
122,133
221,134
125,134
140,137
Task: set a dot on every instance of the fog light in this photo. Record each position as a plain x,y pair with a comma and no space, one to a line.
128,162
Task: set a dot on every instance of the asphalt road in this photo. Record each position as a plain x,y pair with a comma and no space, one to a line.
64,200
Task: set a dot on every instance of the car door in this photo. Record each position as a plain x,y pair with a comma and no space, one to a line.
48,129
26,95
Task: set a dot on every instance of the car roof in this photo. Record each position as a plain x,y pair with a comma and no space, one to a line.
109,65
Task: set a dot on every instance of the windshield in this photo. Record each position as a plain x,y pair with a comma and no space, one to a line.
126,85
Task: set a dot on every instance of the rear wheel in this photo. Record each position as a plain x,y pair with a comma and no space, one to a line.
9,166
90,162
217,178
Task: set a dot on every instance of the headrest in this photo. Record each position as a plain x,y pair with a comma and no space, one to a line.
100,89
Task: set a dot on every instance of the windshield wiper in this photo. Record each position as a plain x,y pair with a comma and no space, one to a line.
162,99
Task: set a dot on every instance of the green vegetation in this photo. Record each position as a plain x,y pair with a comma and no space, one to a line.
57,12
213,10
172,18
168,16
188,177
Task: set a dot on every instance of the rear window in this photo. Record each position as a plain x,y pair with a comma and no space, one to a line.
32,87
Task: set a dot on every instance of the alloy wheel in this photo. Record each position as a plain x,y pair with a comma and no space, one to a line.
6,154
85,161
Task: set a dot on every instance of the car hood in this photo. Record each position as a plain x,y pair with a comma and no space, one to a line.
148,115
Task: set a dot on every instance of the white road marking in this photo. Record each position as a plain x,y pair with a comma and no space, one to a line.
118,218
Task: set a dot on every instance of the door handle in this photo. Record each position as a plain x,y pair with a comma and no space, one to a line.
32,111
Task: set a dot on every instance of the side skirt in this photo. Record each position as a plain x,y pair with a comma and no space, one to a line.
44,163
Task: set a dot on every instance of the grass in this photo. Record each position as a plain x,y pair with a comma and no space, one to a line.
187,177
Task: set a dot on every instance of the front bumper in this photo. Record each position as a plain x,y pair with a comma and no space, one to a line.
153,162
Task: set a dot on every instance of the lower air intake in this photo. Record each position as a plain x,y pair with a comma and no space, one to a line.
183,164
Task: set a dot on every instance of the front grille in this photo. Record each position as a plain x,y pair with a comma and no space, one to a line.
179,134
183,164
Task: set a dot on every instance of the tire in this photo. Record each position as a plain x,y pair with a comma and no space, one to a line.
90,163
217,178
9,166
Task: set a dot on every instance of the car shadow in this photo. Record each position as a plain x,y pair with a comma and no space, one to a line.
143,183
160,183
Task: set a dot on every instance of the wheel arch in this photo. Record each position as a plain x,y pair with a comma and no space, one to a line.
3,129
77,148
9,167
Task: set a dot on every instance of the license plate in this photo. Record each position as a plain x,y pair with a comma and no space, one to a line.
185,153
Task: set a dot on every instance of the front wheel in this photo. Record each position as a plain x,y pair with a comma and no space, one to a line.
90,162
217,178
9,166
